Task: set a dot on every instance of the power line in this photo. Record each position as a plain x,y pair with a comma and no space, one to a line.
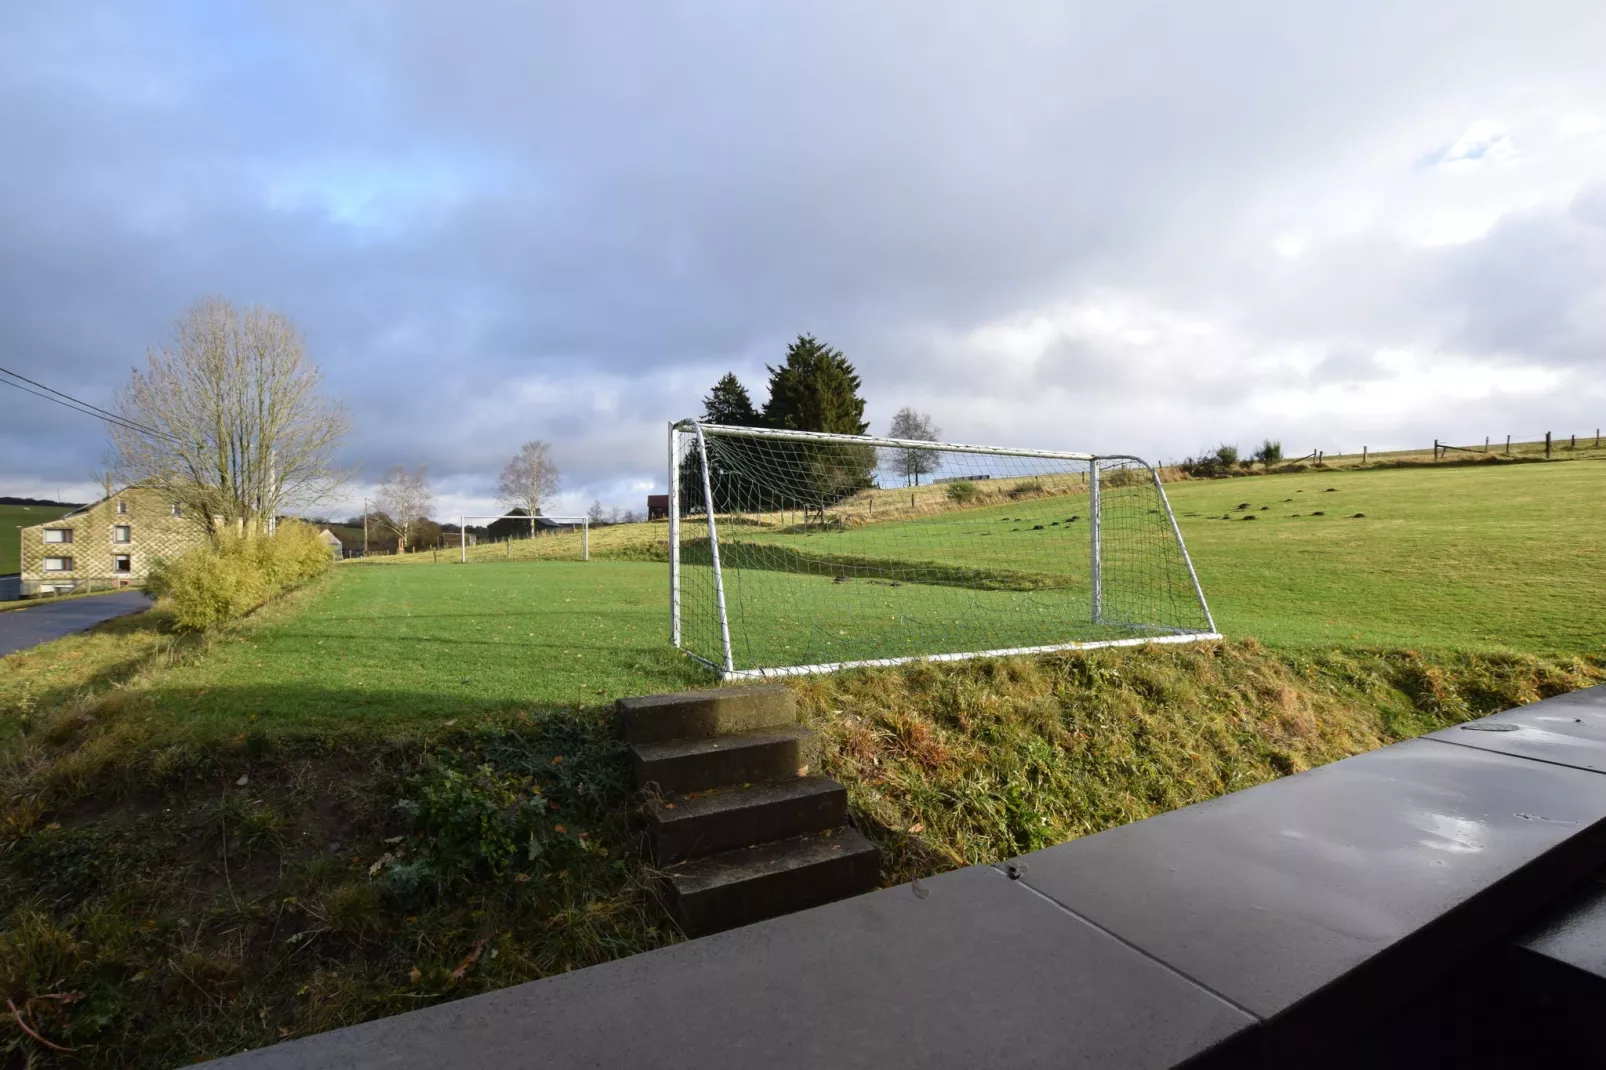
76,405
79,401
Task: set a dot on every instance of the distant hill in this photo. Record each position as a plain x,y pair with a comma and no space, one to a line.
6,500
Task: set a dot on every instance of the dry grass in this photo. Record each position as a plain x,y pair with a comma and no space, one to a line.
952,765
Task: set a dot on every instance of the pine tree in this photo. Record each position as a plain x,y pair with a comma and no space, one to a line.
729,404
816,389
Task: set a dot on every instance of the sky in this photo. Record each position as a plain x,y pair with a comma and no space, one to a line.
1139,228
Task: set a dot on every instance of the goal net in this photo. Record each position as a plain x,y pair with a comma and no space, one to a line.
794,552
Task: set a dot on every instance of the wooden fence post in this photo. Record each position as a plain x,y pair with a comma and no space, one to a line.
1435,449
1363,454
1508,445
1547,443
1574,444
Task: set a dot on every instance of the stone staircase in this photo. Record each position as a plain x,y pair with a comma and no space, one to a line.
742,828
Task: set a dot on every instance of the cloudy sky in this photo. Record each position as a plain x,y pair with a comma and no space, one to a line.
1135,227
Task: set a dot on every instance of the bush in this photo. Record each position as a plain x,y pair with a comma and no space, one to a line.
1270,452
1031,488
963,492
1226,455
231,576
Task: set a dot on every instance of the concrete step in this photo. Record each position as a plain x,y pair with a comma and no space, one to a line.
753,883
705,714
682,827
687,765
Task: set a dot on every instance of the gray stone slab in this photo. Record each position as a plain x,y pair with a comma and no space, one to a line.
24,628
1567,730
1356,883
704,714
1575,934
968,970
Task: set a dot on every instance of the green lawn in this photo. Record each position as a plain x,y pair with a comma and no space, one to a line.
384,646
1465,558
1456,558
13,518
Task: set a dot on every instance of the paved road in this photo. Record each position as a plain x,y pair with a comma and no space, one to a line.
23,628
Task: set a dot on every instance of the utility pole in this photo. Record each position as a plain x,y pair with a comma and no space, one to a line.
365,527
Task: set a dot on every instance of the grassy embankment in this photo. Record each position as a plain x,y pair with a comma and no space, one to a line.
195,831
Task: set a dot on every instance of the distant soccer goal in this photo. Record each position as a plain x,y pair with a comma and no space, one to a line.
793,552
529,527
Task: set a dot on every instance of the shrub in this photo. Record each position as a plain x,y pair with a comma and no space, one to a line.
1270,452
1226,455
963,492
1032,488
231,576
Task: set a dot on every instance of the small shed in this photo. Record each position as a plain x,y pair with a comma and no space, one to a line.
330,539
657,507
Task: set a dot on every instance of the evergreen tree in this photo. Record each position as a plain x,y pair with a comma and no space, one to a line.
816,389
729,404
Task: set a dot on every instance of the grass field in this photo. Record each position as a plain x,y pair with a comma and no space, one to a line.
400,784
13,518
400,646
1452,558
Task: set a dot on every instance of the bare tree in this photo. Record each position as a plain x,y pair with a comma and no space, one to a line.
911,464
402,500
529,478
232,422
597,514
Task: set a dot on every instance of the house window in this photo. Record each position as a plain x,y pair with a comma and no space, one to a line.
58,534
122,533
178,509
122,563
122,508
58,564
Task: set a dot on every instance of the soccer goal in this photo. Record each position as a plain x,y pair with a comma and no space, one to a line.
538,527
794,552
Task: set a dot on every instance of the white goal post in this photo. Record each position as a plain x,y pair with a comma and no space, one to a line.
584,523
795,552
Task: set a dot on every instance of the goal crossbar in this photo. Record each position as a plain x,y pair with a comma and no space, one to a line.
885,443
1140,578
583,521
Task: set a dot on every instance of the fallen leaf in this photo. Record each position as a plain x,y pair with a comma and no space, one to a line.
414,974
473,957
243,781
916,829
560,828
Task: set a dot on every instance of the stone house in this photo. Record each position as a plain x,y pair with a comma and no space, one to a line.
112,543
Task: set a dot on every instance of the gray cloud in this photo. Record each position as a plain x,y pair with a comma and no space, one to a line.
498,221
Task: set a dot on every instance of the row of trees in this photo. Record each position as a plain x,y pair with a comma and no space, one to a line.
815,388
231,422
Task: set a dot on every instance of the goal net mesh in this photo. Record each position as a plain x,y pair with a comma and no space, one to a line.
830,553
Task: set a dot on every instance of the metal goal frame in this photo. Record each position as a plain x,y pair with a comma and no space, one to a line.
728,671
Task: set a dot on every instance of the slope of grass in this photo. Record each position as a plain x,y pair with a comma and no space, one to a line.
13,518
1454,557
169,894
962,763
1459,558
